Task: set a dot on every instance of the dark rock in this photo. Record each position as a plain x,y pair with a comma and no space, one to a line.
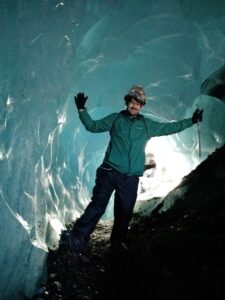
175,254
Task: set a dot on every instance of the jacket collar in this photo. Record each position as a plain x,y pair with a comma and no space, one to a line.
125,113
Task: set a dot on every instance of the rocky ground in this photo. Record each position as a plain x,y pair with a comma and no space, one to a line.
177,254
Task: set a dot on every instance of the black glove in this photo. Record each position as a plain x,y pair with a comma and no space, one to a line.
197,116
80,100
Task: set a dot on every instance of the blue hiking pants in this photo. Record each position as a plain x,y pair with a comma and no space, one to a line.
107,181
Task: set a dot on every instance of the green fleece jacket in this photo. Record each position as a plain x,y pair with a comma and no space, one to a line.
128,137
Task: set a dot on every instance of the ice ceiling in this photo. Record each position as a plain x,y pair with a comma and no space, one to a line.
51,50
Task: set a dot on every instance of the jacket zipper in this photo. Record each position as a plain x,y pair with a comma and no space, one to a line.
132,121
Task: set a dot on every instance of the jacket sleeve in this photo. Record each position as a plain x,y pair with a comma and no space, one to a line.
102,125
159,129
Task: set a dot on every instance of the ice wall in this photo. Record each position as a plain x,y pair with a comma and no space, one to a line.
51,50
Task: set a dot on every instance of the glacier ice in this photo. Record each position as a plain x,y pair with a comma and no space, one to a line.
51,50
215,85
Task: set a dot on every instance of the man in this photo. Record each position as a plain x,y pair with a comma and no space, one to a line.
122,165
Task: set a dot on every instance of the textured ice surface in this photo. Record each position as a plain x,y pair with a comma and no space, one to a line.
51,50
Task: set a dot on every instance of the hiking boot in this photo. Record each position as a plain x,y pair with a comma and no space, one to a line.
64,239
119,246
72,241
76,243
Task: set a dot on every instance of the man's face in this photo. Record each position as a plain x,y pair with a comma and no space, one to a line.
134,107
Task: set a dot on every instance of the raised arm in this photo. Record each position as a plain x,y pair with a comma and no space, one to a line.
102,125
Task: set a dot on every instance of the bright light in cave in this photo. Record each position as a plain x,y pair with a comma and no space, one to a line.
171,166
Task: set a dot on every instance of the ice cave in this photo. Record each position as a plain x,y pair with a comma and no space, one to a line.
51,50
